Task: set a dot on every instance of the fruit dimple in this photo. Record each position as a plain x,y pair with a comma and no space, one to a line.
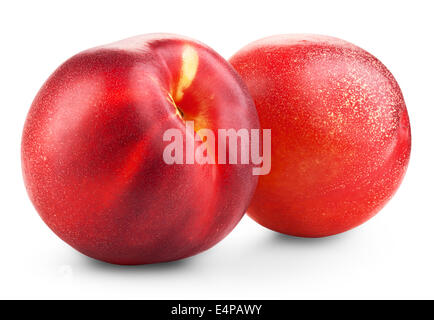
179,113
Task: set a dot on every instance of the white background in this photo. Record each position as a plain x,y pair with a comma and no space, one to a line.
391,256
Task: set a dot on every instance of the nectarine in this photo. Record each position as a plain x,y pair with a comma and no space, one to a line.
340,133
92,150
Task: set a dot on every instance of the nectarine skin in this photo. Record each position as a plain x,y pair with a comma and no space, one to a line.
92,150
340,133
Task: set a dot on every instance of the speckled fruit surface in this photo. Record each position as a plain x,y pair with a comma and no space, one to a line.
92,150
340,133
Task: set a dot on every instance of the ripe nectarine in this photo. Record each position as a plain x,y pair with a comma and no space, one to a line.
340,133
92,150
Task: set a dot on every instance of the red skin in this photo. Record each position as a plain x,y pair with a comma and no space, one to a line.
340,133
92,152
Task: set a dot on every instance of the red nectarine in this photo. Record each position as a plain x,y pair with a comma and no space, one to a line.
92,150
340,133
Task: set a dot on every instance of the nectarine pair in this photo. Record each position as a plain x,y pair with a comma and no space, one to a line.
92,147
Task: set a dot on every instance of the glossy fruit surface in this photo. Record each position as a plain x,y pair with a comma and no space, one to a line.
92,150
340,133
